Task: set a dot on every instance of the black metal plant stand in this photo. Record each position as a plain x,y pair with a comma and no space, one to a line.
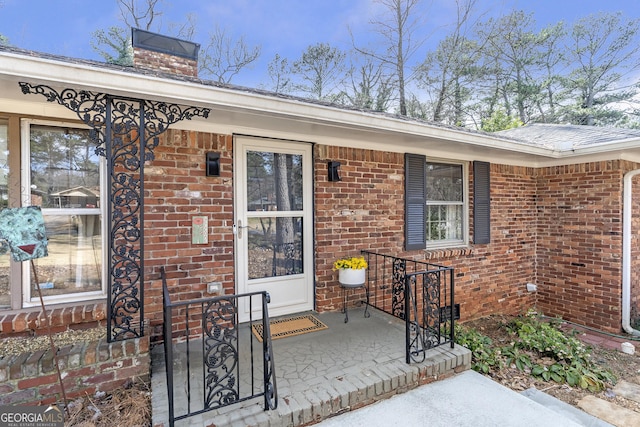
345,289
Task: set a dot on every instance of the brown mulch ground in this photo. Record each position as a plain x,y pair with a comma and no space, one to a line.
129,406
623,366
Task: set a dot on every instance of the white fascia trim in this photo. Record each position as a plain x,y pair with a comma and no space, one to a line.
619,145
37,69
41,70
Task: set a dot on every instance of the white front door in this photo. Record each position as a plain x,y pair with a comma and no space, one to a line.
273,225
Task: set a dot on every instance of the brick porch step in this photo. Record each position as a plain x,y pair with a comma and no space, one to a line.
355,388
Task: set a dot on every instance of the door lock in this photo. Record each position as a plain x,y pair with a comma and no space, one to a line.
237,229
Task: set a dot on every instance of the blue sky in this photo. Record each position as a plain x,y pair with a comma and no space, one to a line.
286,27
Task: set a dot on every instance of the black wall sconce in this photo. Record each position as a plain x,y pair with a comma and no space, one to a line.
213,163
333,169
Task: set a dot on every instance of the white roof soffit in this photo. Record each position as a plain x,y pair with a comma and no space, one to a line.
383,132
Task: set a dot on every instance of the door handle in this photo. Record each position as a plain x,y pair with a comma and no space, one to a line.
237,229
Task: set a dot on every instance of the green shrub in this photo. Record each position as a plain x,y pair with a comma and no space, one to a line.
540,349
567,358
484,355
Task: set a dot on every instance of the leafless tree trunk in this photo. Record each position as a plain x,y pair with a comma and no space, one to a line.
397,28
284,226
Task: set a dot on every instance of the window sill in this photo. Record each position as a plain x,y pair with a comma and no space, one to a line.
443,253
61,318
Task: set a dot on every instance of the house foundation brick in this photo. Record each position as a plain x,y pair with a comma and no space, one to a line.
28,321
31,379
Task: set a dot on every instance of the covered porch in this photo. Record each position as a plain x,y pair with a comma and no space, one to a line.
321,374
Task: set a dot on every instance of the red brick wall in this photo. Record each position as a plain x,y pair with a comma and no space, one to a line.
366,211
164,62
580,243
493,279
362,211
176,189
31,378
60,319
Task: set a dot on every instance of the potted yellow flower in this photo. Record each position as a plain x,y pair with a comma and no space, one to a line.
351,270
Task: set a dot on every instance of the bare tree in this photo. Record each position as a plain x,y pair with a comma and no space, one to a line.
279,72
449,71
397,28
371,87
139,14
114,43
321,71
223,58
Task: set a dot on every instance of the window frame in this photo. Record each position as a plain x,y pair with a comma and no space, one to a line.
450,243
29,300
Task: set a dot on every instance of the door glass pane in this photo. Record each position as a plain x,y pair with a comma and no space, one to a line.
275,247
274,181
74,263
5,291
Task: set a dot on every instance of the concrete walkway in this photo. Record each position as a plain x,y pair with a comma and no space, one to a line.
467,399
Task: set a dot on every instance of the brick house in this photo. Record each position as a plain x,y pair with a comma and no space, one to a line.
542,205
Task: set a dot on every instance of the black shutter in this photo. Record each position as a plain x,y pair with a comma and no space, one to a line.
481,202
415,202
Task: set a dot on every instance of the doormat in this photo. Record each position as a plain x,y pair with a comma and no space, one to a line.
292,326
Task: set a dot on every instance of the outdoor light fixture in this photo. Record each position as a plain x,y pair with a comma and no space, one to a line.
334,168
213,163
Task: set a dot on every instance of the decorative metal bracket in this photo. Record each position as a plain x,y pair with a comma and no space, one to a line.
125,131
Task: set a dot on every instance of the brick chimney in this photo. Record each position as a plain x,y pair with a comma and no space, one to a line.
162,53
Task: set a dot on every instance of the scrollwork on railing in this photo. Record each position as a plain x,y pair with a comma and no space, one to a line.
431,302
228,359
220,353
415,338
397,288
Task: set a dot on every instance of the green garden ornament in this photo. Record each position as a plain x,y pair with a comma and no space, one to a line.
22,232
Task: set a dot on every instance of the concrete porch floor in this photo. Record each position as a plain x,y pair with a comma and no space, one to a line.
323,373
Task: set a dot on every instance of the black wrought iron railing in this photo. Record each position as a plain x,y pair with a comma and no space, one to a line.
418,292
211,360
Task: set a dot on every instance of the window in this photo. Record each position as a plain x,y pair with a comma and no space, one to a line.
437,203
65,178
445,203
